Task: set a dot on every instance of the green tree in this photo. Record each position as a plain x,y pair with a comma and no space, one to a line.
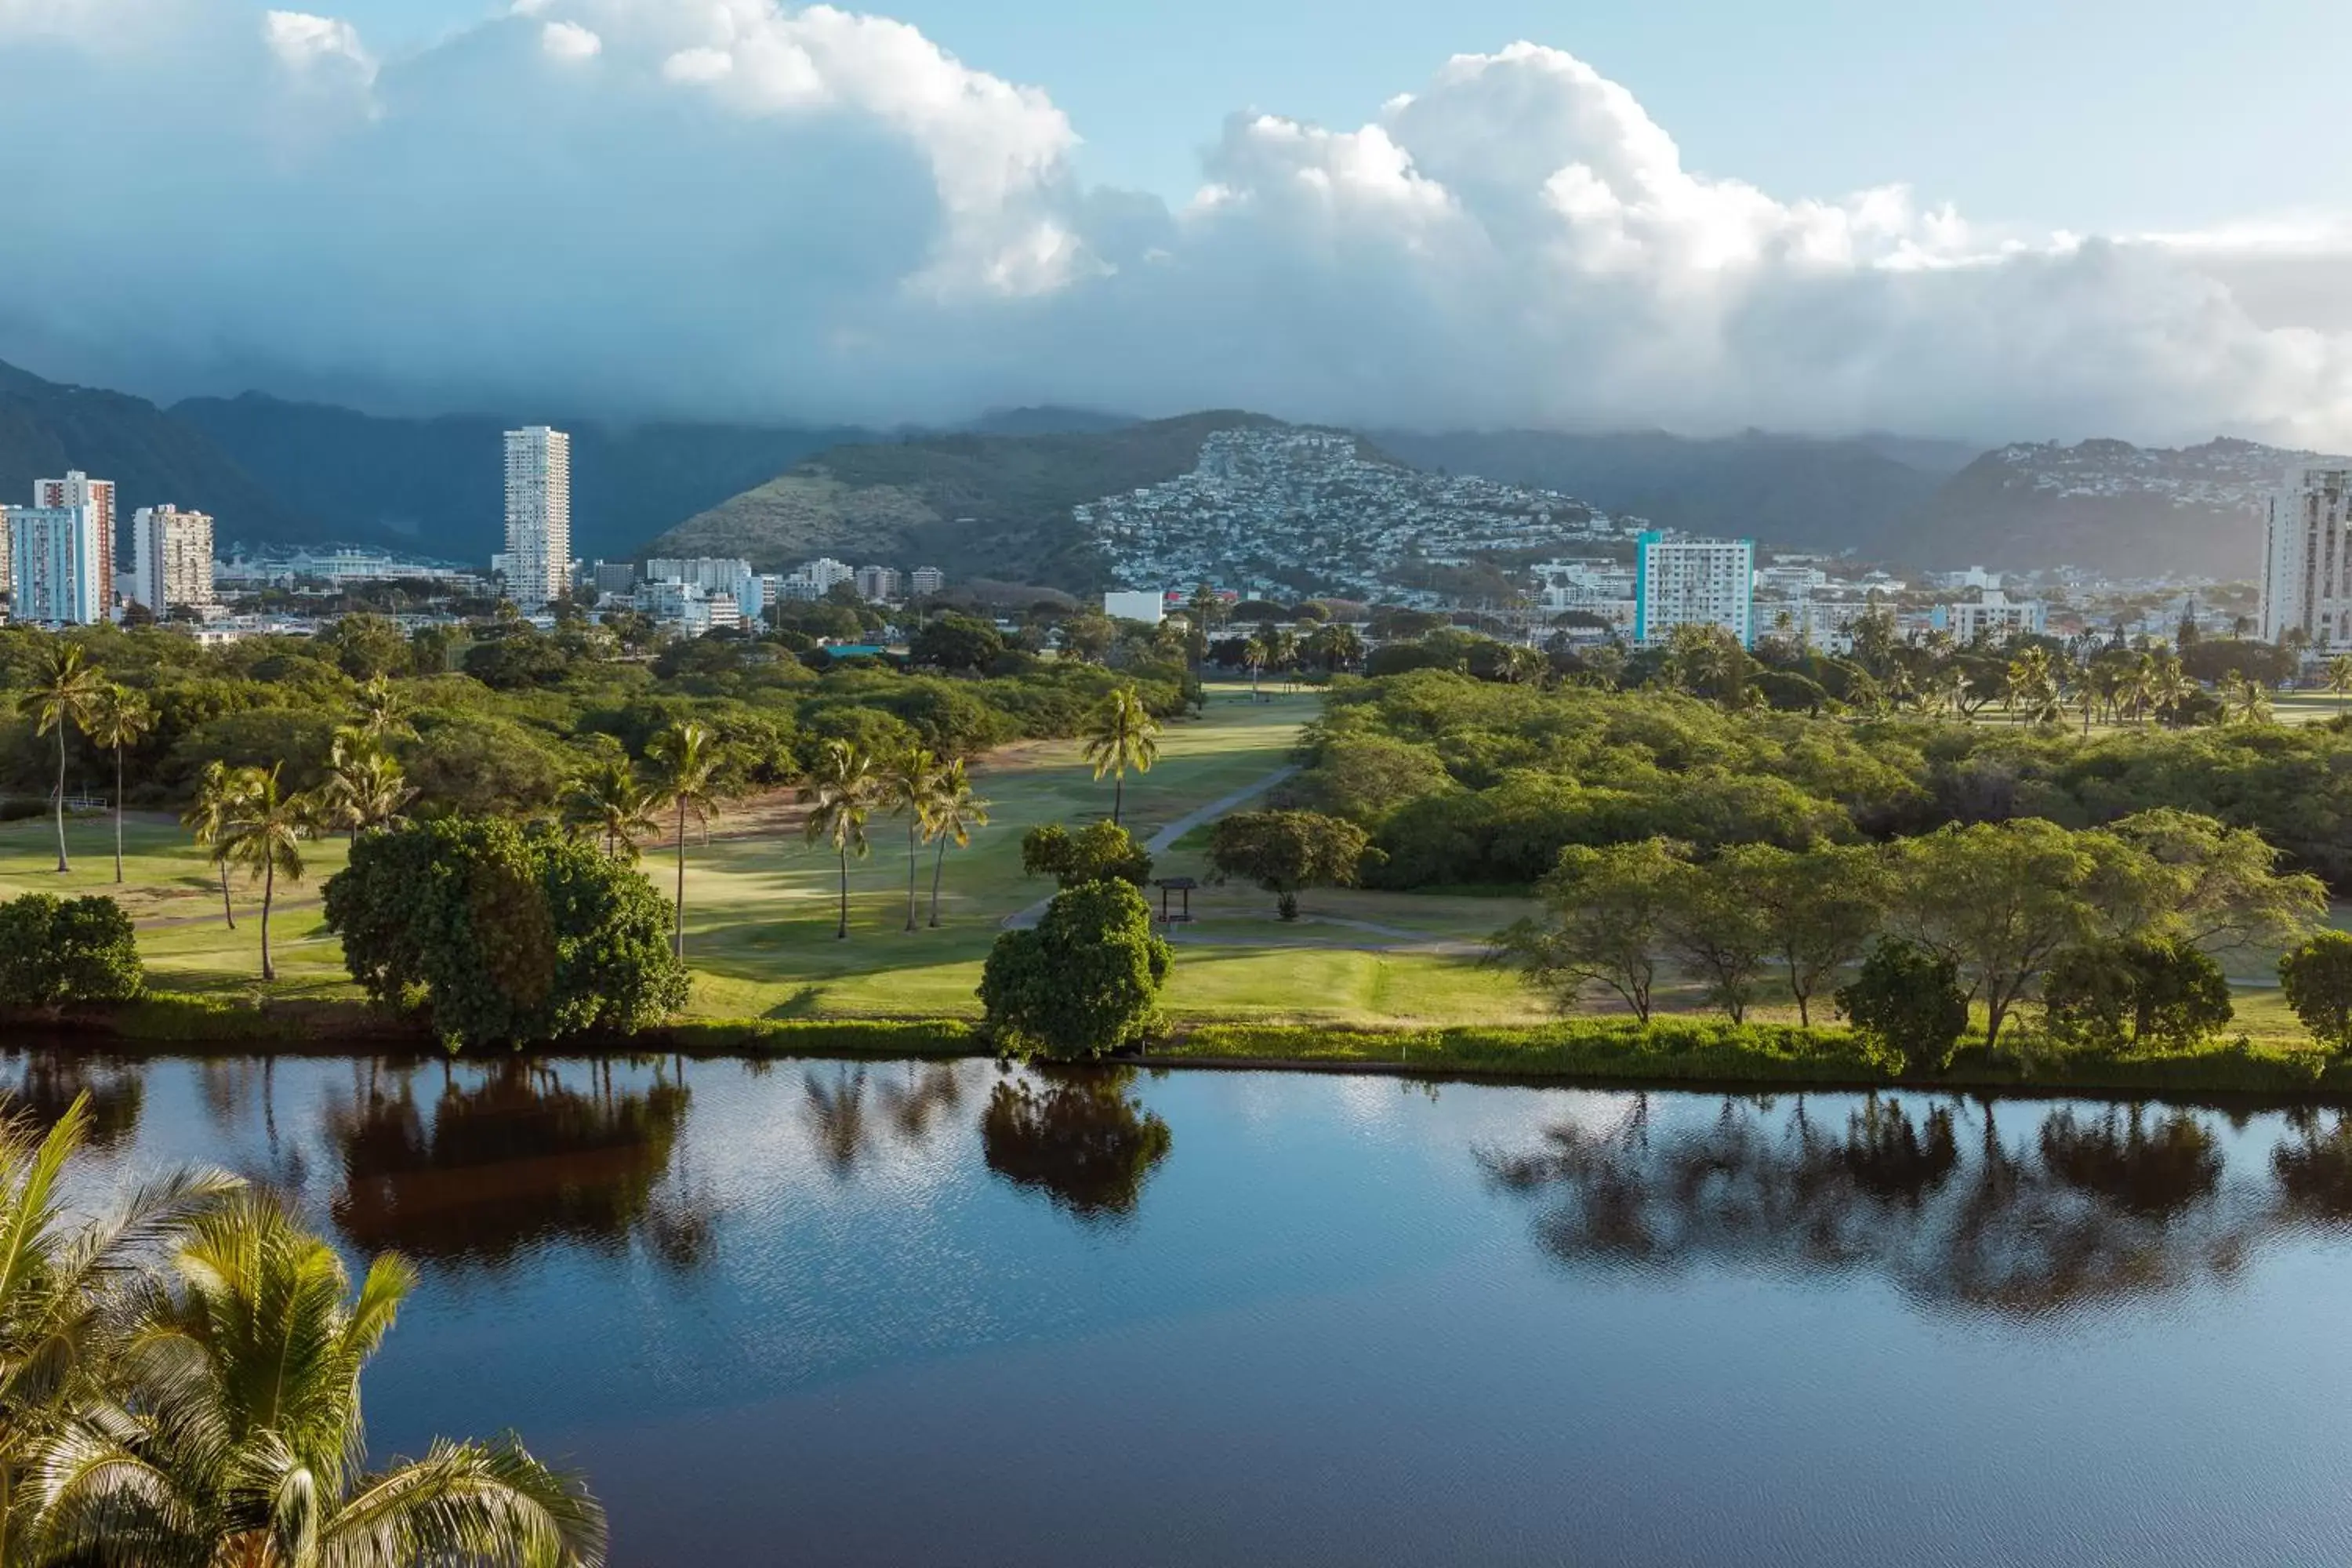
610,801
1287,852
367,647
685,761
64,695
2340,678
1998,898
839,794
1097,852
364,787
1717,931
1908,1001
2033,686
955,812
1076,1134
955,643
2138,991
118,719
264,835
1606,913
242,1440
2244,700
56,951
502,936
2318,979
2217,886
1120,735
383,712
1085,981
208,816
909,786
1820,906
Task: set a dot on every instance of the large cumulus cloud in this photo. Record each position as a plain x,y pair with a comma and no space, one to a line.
732,207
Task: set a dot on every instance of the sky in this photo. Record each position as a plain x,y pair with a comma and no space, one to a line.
1999,221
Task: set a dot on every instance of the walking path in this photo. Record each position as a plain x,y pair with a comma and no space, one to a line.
1165,840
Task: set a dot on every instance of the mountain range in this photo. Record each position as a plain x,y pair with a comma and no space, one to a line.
993,498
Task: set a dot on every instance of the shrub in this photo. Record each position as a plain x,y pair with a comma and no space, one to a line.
1085,981
1908,1002
1097,852
2318,978
2135,992
57,950
502,936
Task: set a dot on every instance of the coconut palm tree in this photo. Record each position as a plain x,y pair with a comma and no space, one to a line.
62,1287
685,764
2340,678
2243,699
208,818
118,719
907,785
840,796
1121,734
612,801
955,812
64,693
239,1439
1254,653
364,787
264,834
2033,686
383,712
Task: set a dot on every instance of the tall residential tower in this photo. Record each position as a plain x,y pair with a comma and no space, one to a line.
78,490
2307,558
538,516
1693,582
172,559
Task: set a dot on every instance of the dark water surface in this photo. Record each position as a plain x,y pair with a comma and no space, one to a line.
904,1313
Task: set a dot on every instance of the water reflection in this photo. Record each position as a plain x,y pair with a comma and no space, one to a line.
1075,1134
2100,1205
47,1083
476,1172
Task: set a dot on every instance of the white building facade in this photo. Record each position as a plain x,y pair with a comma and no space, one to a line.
78,488
538,516
1993,616
171,555
1148,605
55,564
2307,558
1693,582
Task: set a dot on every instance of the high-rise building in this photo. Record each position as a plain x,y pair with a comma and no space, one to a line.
2307,558
538,516
877,583
172,557
928,580
54,565
1693,582
613,576
78,488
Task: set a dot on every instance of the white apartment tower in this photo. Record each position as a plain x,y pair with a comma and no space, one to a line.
54,565
171,562
2307,558
538,516
1693,582
78,490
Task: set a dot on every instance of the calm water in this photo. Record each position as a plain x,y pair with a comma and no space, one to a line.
901,1314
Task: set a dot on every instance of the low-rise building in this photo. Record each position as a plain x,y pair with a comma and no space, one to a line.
1146,605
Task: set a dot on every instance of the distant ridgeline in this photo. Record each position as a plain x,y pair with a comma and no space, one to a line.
1041,495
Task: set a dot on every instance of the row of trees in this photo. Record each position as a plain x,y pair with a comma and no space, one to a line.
180,1384
2115,926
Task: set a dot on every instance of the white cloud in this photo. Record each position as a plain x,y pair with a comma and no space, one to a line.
569,41
761,211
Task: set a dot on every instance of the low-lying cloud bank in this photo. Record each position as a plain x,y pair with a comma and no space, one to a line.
737,209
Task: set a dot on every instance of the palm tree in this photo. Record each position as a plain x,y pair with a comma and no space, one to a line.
62,1289
64,692
241,1442
907,785
611,800
2340,678
208,818
1254,654
264,834
686,762
1122,734
2033,686
383,712
955,812
364,787
840,795
2244,698
119,718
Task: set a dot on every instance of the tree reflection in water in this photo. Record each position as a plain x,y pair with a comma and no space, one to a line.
847,1127
2103,1204
49,1081
2314,1170
517,1159
1077,1135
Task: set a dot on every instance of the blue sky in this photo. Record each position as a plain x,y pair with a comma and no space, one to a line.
2103,115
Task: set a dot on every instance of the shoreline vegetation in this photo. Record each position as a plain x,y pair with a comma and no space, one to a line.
1668,1052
